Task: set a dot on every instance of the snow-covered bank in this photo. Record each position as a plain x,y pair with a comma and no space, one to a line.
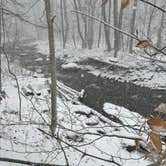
87,132
132,68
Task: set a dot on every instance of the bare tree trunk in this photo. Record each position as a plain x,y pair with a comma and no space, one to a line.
132,27
66,21
62,23
85,32
99,37
106,32
85,25
38,37
116,47
78,24
50,20
159,40
150,23
1,46
73,37
91,11
120,37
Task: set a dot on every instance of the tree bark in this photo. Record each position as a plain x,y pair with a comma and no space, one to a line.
1,47
78,24
159,40
66,21
85,43
62,23
50,20
106,32
150,22
120,37
115,9
99,35
132,27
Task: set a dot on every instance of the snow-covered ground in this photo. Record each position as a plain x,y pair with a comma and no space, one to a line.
136,68
88,137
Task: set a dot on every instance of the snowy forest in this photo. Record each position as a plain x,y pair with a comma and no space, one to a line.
83,82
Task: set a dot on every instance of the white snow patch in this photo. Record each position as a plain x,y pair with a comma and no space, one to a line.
70,65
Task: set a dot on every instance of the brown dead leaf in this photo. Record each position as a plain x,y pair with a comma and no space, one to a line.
104,3
156,142
137,144
157,125
143,43
161,108
124,4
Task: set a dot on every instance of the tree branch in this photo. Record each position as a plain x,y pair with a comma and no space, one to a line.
26,162
155,6
117,29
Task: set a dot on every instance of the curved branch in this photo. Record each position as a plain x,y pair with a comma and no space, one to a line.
117,29
25,162
155,6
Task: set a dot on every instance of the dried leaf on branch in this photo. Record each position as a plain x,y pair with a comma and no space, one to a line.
143,43
125,4
156,142
137,144
157,125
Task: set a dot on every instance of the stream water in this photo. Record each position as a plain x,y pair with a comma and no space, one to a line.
97,90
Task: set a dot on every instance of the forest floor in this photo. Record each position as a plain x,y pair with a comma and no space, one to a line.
135,82
89,138
85,133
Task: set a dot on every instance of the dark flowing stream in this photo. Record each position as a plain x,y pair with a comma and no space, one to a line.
98,90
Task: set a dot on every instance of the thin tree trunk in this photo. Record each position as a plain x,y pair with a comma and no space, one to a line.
107,37
38,34
91,11
85,26
73,37
159,40
99,37
116,47
1,47
120,37
50,20
78,24
62,23
132,27
150,21
66,21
